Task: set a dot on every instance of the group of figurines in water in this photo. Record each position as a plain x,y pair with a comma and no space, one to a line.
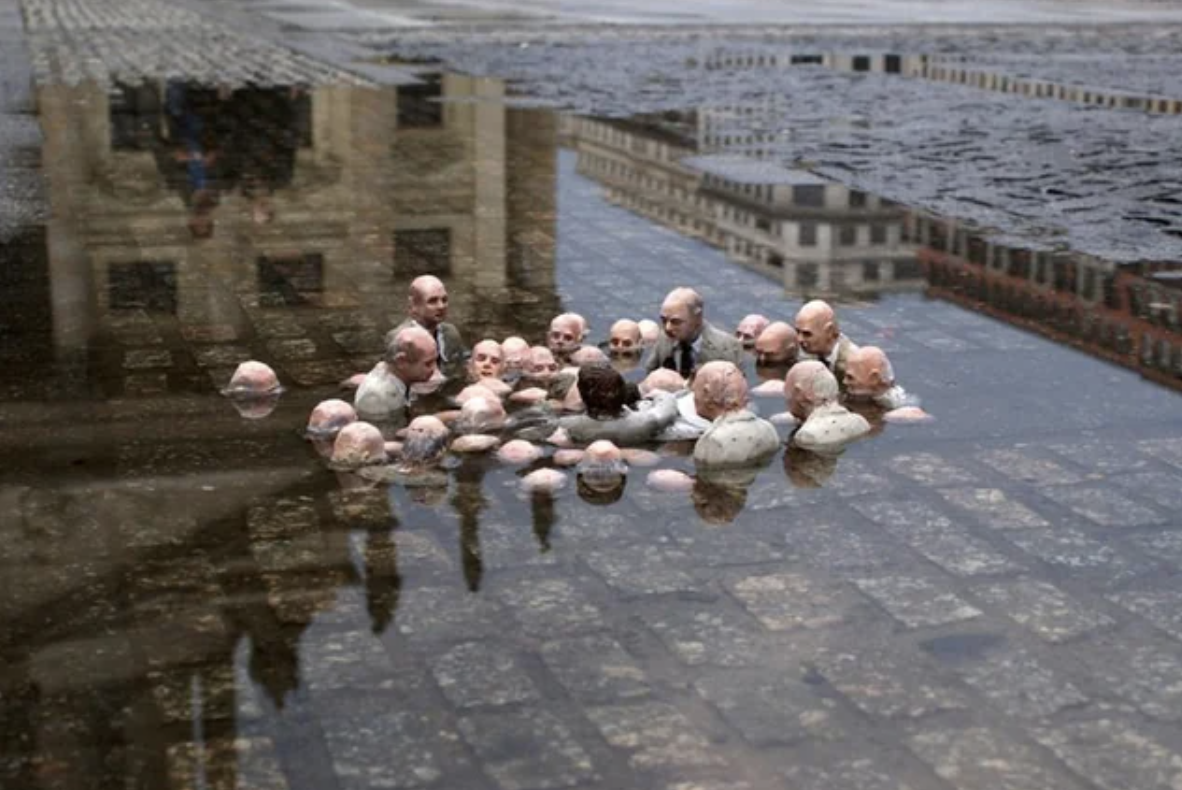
566,405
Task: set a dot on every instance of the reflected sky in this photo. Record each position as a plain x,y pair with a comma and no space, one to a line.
195,600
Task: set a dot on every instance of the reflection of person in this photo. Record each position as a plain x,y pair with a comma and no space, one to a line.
807,469
716,503
737,436
426,307
689,340
812,393
602,474
816,326
409,359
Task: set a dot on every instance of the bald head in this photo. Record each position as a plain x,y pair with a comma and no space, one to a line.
650,331
868,373
750,328
359,444
516,352
253,379
625,337
329,417
427,301
809,384
682,315
566,333
541,364
587,356
776,345
661,380
816,326
487,360
426,439
719,387
480,415
411,355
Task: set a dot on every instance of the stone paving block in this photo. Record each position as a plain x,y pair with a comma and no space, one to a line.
1165,546
933,535
1146,675
715,635
375,741
842,548
916,602
210,333
282,519
1163,608
1161,488
595,668
891,685
319,372
528,750
1114,755
1168,450
273,325
225,762
1103,506
1020,685
513,545
657,735
715,548
644,569
357,342
785,601
477,674
292,349
1067,547
993,508
931,470
709,784
337,659
852,773
1103,456
221,356
367,508
447,614
1043,608
141,358
981,759
770,708
176,693
1025,466
143,385
551,607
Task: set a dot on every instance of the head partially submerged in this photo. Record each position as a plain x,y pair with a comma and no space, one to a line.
661,380
481,415
868,373
816,326
427,302
566,334
487,361
650,331
719,387
602,468
809,384
682,314
777,345
541,364
358,444
516,353
750,328
253,379
328,418
411,355
625,338
425,442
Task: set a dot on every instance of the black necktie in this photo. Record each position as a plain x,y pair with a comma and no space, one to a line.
687,360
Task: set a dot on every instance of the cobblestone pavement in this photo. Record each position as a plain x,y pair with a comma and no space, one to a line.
988,601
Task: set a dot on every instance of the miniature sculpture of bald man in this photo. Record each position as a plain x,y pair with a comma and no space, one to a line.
409,359
812,393
777,346
427,305
253,390
624,338
689,341
869,378
750,328
819,334
565,335
326,421
737,436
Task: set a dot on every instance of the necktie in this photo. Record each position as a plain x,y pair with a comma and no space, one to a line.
439,344
687,360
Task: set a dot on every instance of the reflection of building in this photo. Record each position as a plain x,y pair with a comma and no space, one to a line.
1130,314
384,184
816,237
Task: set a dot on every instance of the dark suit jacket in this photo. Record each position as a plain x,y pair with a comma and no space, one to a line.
716,346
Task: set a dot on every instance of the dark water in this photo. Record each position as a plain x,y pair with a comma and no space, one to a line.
190,599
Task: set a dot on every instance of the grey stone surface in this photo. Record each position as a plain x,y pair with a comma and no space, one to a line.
770,708
710,635
595,668
842,548
1163,608
528,749
551,607
993,508
1028,467
931,469
477,674
448,613
1043,608
980,758
1021,685
1114,755
375,742
656,735
1103,506
785,601
643,570
851,773
1162,488
916,602
1148,675
891,685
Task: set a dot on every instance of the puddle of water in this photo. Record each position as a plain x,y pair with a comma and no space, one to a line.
195,601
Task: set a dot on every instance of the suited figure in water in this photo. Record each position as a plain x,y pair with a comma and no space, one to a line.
689,340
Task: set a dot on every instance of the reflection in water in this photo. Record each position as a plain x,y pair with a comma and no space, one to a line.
169,561
1128,314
